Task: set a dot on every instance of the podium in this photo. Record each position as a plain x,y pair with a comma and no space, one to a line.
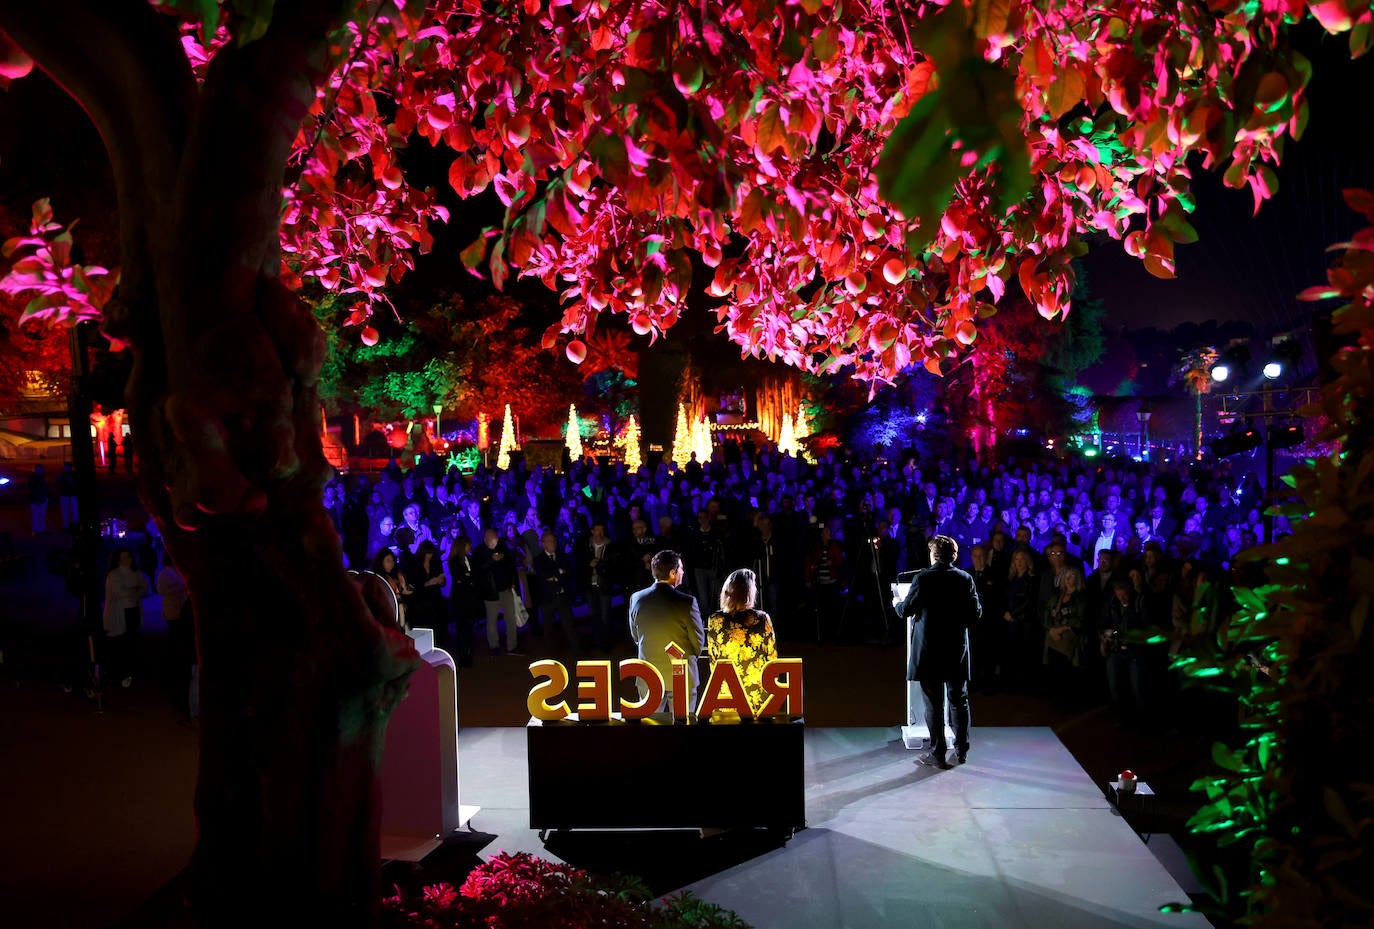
915,733
419,782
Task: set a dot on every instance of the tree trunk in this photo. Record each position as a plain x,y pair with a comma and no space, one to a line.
297,675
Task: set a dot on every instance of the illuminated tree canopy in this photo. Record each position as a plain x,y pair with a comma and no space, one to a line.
865,179
624,137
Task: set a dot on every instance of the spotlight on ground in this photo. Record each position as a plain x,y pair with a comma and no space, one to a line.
1273,370
1220,373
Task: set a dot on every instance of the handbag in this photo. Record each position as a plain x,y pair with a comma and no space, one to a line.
522,614
1066,645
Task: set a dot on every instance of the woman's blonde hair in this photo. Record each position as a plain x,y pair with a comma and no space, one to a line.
739,592
1077,577
1018,556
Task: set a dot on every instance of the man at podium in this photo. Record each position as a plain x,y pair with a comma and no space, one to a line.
944,602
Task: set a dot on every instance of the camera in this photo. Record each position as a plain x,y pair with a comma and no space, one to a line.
1112,642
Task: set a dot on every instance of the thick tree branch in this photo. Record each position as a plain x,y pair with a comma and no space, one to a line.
256,96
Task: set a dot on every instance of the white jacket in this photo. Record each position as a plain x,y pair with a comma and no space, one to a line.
124,588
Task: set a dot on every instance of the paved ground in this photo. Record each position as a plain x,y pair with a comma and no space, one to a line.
95,801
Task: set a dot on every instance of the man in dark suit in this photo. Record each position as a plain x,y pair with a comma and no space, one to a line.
551,573
598,562
945,603
768,559
662,614
639,551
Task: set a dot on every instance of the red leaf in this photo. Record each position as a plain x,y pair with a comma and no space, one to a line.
1334,15
1321,292
1065,91
751,212
771,131
1361,200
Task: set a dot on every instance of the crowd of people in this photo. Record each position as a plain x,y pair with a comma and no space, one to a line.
1071,555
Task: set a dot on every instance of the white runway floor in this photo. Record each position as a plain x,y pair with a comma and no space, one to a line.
1018,837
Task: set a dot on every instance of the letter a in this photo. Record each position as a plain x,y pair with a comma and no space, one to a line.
724,677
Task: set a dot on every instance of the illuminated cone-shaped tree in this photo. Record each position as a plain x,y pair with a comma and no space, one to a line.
630,439
683,438
701,440
507,440
787,440
572,440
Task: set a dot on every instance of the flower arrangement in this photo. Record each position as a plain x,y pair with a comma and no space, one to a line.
514,891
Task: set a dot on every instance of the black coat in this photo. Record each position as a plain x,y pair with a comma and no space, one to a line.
493,575
551,576
945,603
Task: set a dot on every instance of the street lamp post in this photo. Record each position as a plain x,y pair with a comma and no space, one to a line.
1142,416
438,408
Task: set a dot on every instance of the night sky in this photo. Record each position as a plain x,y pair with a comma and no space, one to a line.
1247,267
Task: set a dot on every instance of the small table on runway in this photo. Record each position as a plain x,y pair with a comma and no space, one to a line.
1139,807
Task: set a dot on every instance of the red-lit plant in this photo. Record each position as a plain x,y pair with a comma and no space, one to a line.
516,891
42,269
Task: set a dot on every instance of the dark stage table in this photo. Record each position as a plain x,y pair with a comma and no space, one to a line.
642,775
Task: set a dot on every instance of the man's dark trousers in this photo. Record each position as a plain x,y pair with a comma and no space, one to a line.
935,714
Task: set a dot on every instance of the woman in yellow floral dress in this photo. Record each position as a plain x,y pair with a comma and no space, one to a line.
741,634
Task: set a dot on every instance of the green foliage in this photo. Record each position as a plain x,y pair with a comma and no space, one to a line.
688,911
428,358
248,19
470,356
1077,344
611,394
464,460
1296,656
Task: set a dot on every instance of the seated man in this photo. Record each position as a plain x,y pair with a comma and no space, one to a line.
661,615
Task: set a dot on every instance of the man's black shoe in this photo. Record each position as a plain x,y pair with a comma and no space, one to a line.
932,760
955,759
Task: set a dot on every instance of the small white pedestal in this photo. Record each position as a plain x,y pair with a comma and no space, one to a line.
420,805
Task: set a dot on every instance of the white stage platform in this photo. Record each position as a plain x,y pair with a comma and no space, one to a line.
1017,837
